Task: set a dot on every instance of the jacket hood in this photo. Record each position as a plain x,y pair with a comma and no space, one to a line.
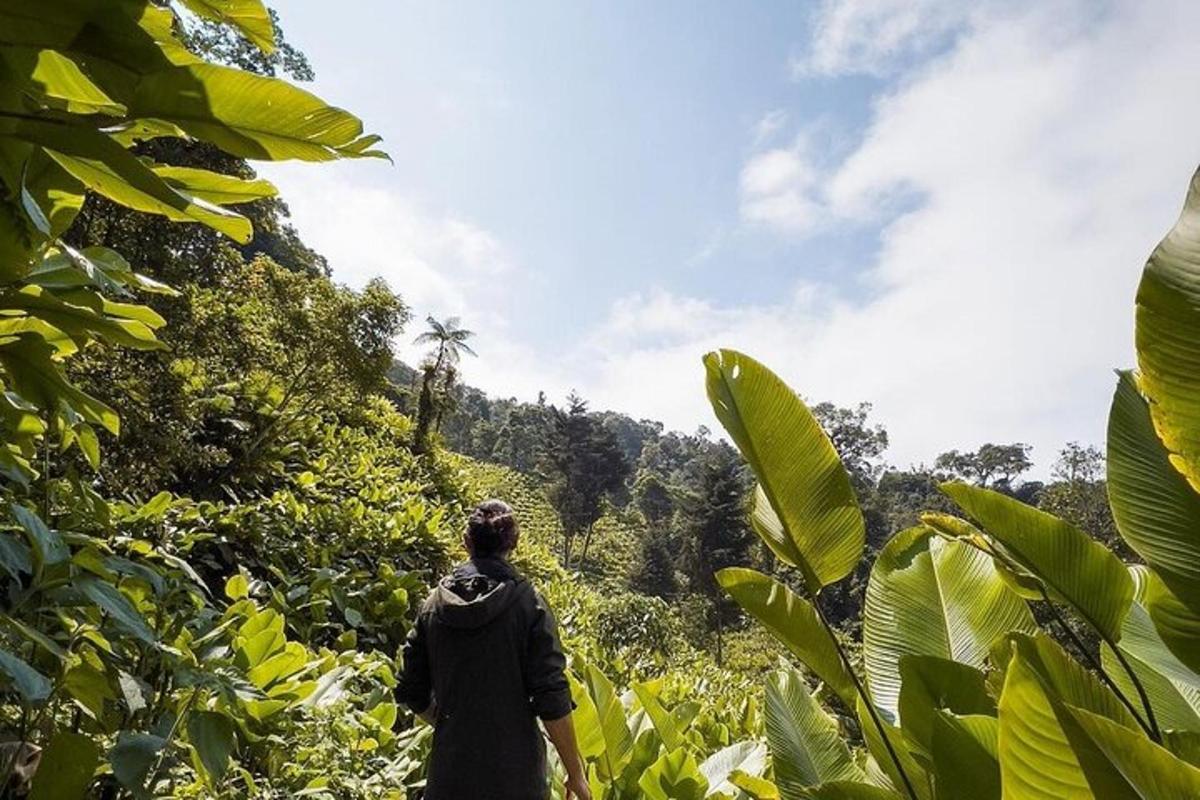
477,593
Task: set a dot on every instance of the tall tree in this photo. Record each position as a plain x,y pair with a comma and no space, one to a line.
993,465
1079,494
584,465
439,372
717,531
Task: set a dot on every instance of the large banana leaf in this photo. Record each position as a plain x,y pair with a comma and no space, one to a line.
810,518
963,750
660,718
1168,337
1155,508
674,776
105,167
747,758
884,770
1075,568
249,115
1037,760
248,16
931,684
806,746
1121,764
1173,689
928,596
618,741
1176,623
792,620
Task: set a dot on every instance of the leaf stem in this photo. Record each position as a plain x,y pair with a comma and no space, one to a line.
862,694
1155,733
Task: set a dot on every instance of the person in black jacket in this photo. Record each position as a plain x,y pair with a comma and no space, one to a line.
482,664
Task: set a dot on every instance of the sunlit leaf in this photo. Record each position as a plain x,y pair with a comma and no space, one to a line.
810,516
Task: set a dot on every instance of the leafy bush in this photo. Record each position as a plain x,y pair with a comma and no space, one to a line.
961,693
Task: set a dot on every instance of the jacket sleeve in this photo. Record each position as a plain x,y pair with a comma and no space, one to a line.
545,666
415,687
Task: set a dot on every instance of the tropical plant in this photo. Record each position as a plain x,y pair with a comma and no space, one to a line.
638,745
438,373
960,693
120,661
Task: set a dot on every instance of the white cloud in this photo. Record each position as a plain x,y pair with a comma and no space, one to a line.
778,189
441,264
872,36
1042,156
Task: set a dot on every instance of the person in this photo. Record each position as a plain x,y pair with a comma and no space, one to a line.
482,664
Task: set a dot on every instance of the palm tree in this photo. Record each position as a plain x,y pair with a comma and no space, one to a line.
451,342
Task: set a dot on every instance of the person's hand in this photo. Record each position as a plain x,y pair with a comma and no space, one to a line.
577,788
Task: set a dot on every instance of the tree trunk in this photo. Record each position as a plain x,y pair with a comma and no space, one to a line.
587,540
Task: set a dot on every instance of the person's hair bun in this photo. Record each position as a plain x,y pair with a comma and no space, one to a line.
492,528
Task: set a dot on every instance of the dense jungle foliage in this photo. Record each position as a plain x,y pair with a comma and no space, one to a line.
223,500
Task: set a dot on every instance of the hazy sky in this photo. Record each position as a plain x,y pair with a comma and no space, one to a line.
938,207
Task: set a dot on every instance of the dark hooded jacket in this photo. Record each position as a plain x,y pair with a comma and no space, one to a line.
485,649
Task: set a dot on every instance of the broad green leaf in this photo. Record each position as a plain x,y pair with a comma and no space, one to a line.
133,756
1168,337
109,169
1036,756
618,741
793,621
237,587
87,685
1067,679
749,758
1075,568
284,664
1036,760
1173,689
213,187
212,736
48,546
15,556
662,721
117,605
963,751
758,788
930,684
67,766
884,769
1156,510
55,81
83,315
806,746
1176,623
249,115
257,648
1121,764
250,17
37,378
674,776
811,518
32,685
586,721
929,596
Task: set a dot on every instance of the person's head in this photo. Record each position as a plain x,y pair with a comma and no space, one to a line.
492,530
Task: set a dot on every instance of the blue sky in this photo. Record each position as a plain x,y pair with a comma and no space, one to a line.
934,206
